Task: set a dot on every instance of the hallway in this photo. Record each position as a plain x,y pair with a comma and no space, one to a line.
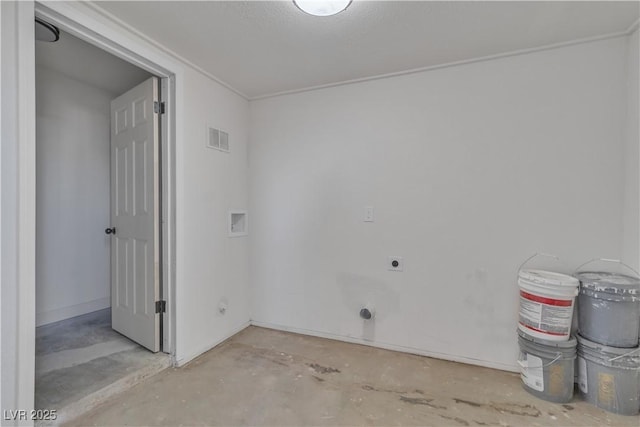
82,361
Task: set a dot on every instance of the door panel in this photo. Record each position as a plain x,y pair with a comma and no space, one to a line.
134,214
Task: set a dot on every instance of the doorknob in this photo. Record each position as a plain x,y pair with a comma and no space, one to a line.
111,230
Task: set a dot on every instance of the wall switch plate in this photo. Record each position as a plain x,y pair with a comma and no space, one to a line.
368,214
395,263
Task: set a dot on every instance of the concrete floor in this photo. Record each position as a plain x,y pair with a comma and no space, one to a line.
263,377
82,361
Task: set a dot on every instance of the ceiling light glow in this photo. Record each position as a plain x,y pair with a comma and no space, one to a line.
322,8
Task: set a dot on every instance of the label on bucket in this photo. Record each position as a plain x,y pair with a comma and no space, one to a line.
582,375
531,371
556,384
546,315
606,389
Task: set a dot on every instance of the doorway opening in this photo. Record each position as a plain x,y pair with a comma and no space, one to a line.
98,233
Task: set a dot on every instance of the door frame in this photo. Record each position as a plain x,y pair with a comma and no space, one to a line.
170,73
18,173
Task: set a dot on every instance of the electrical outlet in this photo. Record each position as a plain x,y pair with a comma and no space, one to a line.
395,263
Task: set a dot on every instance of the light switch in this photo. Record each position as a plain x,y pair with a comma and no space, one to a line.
368,214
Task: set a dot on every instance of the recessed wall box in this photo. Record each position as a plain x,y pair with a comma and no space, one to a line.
238,223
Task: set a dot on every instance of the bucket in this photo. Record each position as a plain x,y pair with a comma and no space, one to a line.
547,367
546,303
609,377
609,308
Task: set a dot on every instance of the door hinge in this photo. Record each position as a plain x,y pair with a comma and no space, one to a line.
158,107
161,306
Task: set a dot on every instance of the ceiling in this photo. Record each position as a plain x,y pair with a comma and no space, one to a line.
84,62
267,47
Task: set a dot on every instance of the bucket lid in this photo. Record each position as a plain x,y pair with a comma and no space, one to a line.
571,343
585,344
544,277
610,283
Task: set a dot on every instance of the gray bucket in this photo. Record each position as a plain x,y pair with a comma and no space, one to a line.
546,367
609,308
609,377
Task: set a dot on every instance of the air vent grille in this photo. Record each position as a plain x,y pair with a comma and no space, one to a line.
224,141
217,139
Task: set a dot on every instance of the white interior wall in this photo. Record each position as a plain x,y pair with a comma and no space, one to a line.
214,266
471,169
72,197
631,213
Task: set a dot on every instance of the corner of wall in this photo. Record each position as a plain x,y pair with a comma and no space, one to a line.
631,210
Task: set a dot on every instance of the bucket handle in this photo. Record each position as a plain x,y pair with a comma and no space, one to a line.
623,355
553,361
616,261
536,255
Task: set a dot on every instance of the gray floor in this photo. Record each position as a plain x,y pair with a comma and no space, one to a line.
262,377
81,361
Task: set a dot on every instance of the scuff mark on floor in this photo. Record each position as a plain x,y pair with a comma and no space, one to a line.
516,409
524,410
323,369
468,402
368,387
265,355
421,401
456,419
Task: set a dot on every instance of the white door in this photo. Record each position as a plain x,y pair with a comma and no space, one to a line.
134,215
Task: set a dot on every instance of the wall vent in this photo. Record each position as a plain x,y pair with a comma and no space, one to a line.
217,139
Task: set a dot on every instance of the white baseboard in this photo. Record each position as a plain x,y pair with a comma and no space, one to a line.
394,347
50,316
178,362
